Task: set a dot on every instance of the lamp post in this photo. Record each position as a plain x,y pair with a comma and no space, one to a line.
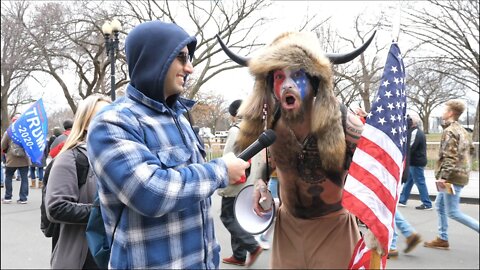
111,46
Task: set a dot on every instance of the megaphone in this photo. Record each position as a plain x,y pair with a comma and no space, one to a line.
246,217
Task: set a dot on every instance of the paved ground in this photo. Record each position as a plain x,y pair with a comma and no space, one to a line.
470,194
23,245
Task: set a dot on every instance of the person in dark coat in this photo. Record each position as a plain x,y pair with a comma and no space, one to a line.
418,161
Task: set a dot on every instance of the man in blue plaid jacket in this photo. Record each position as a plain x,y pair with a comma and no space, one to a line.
152,175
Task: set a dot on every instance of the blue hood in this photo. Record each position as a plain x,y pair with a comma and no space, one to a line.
150,48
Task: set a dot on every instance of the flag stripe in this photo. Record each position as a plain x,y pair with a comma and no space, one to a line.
366,197
384,142
380,220
362,256
371,182
364,160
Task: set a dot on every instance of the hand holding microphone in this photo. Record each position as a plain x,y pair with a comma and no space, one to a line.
236,168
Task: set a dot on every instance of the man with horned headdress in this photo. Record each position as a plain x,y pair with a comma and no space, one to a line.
316,136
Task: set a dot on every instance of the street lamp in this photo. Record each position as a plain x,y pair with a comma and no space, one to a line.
111,46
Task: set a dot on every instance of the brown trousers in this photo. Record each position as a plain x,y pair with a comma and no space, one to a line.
322,243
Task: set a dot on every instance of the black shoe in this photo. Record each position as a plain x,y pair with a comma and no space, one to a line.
423,207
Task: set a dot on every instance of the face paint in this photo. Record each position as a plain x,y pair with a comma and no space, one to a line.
298,79
278,79
301,80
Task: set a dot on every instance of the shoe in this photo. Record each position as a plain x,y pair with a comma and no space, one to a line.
262,242
6,201
40,184
254,256
233,260
392,253
21,202
33,184
412,241
402,204
437,243
423,207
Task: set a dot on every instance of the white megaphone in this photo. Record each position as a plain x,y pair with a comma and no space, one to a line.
246,217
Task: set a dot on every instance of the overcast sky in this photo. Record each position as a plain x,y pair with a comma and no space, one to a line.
290,15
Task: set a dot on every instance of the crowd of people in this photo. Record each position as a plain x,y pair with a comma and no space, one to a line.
147,163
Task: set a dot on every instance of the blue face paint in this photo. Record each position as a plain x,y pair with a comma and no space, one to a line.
300,78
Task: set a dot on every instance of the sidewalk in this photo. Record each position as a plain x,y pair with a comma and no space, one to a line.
23,245
470,193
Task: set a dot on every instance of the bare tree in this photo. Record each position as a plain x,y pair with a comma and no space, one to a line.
209,111
68,38
357,80
427,89
17,58
452,29
233,21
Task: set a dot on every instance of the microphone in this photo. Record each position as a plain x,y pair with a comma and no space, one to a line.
265,139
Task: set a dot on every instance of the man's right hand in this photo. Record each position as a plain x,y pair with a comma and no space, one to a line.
262,199
236,167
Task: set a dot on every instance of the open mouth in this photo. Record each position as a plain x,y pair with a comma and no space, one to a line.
290,102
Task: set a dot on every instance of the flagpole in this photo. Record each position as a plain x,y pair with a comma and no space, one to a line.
396,24
374,260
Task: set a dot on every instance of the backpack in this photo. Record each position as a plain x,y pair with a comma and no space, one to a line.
49,228
16,150
97,239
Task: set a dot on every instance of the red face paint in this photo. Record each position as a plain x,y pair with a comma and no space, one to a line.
278,79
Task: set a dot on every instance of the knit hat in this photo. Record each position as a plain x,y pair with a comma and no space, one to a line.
233,108
67,124
57,131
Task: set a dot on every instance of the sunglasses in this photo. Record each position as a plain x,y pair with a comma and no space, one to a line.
184,58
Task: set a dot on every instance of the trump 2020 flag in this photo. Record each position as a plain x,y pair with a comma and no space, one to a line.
372,184
30,131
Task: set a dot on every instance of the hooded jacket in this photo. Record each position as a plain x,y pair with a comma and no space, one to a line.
151,171
150,50
297,51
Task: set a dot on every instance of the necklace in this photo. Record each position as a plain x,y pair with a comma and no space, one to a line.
308,160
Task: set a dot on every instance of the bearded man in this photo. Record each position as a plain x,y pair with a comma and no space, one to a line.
316,136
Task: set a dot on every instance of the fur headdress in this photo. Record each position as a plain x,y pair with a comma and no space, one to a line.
295,51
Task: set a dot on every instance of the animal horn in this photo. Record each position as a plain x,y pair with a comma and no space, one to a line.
243,61
341,58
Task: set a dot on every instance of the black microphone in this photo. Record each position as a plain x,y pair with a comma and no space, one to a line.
265,139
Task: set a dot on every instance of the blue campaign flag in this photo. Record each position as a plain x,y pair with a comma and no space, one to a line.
30,131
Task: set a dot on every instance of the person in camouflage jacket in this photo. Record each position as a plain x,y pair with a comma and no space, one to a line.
452,169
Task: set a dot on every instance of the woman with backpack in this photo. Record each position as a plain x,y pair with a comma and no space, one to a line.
69,195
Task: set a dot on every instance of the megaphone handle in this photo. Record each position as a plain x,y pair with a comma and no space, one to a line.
266,202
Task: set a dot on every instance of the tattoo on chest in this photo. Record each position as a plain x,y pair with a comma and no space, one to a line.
309,163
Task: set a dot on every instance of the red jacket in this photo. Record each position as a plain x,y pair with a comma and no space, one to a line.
58,143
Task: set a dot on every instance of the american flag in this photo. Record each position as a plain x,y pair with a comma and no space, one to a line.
372,184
